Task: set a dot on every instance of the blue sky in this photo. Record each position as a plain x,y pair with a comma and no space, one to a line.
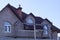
44,8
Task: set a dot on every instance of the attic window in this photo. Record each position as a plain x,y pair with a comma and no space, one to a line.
29,21
7,27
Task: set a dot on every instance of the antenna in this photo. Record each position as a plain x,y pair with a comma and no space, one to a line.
19,5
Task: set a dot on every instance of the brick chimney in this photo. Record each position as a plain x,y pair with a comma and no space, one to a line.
19,11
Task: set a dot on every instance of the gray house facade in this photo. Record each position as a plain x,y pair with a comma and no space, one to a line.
14,23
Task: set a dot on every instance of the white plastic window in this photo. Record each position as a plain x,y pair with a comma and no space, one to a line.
7,27
45,29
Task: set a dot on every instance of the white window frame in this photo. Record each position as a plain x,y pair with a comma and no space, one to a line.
45,29
7,27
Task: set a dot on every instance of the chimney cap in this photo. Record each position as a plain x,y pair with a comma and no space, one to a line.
19,7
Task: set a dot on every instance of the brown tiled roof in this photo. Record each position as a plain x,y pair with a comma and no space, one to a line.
38,20
24,15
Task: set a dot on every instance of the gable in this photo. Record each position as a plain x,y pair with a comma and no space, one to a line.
46,22
7,15
29,19
50,25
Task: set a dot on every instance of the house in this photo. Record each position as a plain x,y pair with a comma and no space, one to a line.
14,23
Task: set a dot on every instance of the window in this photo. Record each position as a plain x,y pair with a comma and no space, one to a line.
45,29
30,21
7,27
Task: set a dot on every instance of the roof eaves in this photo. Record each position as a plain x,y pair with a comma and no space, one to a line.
55,28
48,21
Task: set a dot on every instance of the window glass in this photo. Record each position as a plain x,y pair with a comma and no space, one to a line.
30,21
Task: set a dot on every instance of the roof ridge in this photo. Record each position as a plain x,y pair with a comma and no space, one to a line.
9,5
31,14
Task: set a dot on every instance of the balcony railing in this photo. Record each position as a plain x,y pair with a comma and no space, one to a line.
29,33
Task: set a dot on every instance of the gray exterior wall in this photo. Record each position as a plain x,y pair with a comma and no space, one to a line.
54,35
48,26
7,15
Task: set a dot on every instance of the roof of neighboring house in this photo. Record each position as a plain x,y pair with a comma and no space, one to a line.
38,20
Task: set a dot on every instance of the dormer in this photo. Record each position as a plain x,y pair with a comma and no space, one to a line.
30,19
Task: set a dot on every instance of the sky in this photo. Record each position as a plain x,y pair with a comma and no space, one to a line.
43,8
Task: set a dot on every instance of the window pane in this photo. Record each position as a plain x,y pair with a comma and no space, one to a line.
45,27
5,28
9,28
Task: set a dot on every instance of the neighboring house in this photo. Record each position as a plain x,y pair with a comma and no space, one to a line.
14,23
